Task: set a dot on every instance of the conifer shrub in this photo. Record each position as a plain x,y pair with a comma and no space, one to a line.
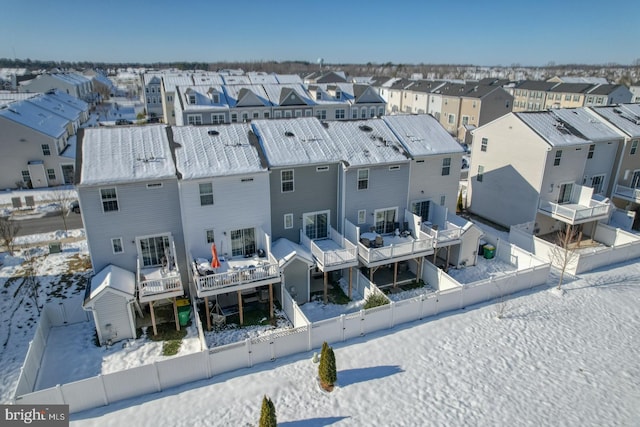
375,300
268,413
327,369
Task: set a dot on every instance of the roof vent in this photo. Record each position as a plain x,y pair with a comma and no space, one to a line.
365,128
213,132
289,134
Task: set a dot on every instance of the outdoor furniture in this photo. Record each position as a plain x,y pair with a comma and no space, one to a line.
379,242
366,242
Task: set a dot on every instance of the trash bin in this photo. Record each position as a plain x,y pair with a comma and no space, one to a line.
184,314
489,251
481,247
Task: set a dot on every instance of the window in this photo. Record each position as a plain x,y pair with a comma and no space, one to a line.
266,114
192,99
217,119
381,111
116,245
451,119
354,113
154,250
46,150
385,220
25,176
362,216
589,99
635,179
443,199
206,194
234,117
338,94
318,94
286,178
245,117
465,120
421,209
321,114
363,179
243,242
363,113
298,113
215,98
109,199
576,97
597,182
210,236
288,221
316,225
322,168
287,114
592,148
153,185
634,147
246,180
51,174
394,168
194,119
277,114
480,174
256,114
446,166
372,112
565,193
483,144
567,98
556,161
340,114
308,113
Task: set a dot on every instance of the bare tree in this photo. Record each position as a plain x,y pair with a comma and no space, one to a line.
8,232
31,278
565,250
64,199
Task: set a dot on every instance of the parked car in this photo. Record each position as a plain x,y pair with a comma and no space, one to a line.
75,207
123,122
153,120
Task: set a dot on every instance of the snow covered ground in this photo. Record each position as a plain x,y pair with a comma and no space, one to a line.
44,198
552,359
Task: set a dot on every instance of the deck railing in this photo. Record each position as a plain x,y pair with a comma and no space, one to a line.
161,282
414,247
448,233
217,281
596,209
627,192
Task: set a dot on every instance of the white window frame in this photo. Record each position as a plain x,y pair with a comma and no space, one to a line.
354,112
205,194
600,188
362,216
309,214
557,158
217,118
385,230
209,233
446,166
340,113
284,181
591,152
634,147
109,200
483,144
194,119
360,179
480,174
113,245
46,150
288,221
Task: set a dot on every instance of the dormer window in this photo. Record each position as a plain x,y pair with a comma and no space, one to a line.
192,99
318,94
338,94
216,98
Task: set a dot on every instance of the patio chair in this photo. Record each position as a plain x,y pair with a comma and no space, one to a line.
379,242
366,242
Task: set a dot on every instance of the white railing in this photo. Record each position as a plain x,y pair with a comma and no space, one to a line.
347,254
157,281
214,282
627,192
414,247
448,233
596,209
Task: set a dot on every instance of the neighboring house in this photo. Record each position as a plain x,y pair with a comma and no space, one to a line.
168,92
304,163
33,141
451,94
128,193
625,179
366,102
200,105
577,79
152,93
289,100
480,105
393,93
531,95
567,95
73,112
224,199
326,77
433,188
73,84
530,168
418,96
635,92
606,94
101,84
247,102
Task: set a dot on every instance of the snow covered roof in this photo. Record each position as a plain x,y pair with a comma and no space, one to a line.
206,151
262,78
112,277
275,91
68,99
204,98
556,132
234,79
289,78
173,80
72,78
293,142
49,103
208,79
585,123
125,154
422,135
237,92
284,250
366,142
34,117
625,117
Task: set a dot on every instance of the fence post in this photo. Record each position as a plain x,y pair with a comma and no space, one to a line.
342,326
309,336
157,376
205,352
421,307
392,320
361,322
104,390
247,343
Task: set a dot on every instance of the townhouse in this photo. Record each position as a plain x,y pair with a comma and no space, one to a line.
531,95
73,84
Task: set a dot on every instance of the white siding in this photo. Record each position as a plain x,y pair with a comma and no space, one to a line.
112,309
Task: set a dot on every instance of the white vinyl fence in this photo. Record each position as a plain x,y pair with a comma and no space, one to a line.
305,336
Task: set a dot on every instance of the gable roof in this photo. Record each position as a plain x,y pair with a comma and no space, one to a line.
35,117
422,135
536,85
366,142
124,154
332,77
68,99
51,104
604,89
208,151
112,278
285,251
296,142
585,123
554,131
572,87
247,96
426,86
625,117
362,92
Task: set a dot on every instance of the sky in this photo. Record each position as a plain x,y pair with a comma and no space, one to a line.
462,32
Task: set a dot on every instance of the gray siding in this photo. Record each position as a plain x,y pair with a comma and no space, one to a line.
142,212
296,275
494,105
112,309
313,191
387,189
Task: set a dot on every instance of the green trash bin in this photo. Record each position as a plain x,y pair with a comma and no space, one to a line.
184,313
489,251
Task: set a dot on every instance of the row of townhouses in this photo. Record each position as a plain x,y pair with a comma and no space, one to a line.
213,98
291,204
73,84
544,171
37,138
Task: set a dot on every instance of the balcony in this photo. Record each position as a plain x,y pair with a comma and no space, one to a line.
234,274
582,207
445,235
627,193
394,248
159,282
333,252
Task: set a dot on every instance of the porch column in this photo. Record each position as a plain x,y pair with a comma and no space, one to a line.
567,238
435,254
395,274
240,313
350,271
448,256
175,314
419,267
153,318
326,287
206,310
271,300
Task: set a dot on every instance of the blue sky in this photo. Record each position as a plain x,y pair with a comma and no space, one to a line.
480,32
